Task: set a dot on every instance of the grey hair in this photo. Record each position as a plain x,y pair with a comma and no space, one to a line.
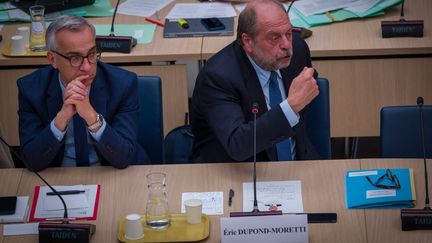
69,22
247,21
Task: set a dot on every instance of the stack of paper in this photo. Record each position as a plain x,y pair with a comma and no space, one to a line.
80,206
360,193
325,11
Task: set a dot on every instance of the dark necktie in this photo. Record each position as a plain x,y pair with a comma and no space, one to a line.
80,139
283,148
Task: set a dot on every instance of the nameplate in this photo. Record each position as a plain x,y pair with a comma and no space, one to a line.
280,228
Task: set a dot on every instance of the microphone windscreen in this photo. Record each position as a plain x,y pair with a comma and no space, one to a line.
420,101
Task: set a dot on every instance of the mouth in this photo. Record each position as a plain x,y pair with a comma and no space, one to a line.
285,58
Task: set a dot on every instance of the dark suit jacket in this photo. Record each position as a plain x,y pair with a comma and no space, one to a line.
113,94
221,115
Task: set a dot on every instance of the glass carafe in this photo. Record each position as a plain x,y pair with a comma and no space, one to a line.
38,29
157,211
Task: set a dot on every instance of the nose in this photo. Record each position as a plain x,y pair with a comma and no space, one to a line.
85,65
285,42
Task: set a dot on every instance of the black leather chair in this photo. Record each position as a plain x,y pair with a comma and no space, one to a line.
318,120
401,132
150,131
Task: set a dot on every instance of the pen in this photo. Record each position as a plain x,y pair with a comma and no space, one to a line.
230,196
71,192
183,23
154,21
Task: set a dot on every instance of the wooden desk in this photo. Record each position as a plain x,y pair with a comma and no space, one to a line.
384,225
366,72
124,192
174,77
9,181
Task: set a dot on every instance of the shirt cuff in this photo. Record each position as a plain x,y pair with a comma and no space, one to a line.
56,132
97,135
292,117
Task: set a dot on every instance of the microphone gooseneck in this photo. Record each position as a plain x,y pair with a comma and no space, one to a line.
65,215
289,7
402,18
255,110
420,103
113,19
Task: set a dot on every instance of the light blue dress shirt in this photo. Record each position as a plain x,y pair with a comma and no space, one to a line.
264,79
69,153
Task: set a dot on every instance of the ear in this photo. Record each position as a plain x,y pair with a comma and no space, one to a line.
51,59
247,43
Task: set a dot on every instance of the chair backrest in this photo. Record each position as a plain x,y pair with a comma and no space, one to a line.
401,132
178,145
318,120
150,131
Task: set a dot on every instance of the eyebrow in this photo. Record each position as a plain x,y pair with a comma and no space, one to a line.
77,53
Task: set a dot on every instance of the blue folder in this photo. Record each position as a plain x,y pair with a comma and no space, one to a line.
360,193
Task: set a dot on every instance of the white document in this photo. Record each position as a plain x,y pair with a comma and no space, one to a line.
143,8
361,6
53,203
310,7
285,195
20,211
75,209
21,229
212,201
201,10
241,6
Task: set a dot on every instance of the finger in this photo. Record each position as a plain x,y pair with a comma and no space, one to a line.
81,78
77,87
308,73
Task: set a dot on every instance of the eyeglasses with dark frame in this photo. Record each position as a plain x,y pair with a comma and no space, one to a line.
77,60
392,178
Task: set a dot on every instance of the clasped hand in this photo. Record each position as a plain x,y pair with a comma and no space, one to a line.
75,100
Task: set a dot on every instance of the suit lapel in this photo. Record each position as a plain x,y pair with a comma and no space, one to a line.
98,99
55,98
251,83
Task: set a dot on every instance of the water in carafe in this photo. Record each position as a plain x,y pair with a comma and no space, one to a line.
38,29
157,210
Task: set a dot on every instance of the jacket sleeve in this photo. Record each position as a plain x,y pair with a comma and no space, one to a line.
118,144
39,146
222,108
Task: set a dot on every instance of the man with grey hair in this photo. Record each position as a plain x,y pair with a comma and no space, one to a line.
78,111
267,65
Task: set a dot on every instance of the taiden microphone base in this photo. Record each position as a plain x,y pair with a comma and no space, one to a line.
416,219
65,232
121,44
402,28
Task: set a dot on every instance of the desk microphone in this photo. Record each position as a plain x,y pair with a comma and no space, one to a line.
304,33
402,28
419,219
255,211
311,217
113,43
60,232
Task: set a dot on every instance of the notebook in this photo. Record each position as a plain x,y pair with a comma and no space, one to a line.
173,29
